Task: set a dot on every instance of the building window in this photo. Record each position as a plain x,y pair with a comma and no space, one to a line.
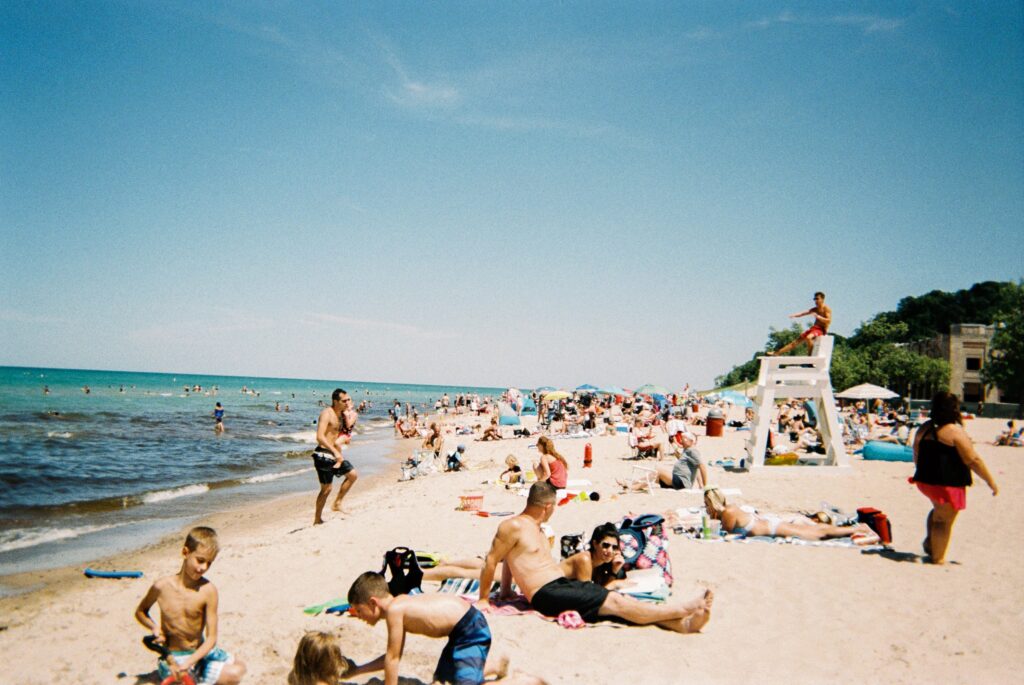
972,392
974,363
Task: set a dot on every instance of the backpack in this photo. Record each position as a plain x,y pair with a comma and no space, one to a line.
645,545
406,575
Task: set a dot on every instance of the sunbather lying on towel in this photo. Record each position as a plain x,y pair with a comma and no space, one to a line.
736,520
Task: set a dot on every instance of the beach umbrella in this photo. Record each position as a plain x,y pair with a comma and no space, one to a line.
733,397
557,395
544,388
649,389
612,390
587,387
867,391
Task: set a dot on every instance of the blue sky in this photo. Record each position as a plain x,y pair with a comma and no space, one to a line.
485,193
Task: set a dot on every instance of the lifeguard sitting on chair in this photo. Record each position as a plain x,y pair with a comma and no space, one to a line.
822,320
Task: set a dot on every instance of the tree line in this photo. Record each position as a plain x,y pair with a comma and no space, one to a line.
879,351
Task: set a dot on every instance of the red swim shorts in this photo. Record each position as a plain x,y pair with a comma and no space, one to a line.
944,494
812,332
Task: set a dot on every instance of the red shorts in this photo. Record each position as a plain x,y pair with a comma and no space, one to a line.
944,494
812,332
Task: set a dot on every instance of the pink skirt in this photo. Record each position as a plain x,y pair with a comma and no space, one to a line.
944,494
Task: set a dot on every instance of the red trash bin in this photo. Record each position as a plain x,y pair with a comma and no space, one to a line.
714,425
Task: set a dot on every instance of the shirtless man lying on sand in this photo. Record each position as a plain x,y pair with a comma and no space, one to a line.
523,548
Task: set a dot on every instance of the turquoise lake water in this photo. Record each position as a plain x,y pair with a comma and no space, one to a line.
88,474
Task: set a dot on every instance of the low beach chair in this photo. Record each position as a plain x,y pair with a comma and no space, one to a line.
643,479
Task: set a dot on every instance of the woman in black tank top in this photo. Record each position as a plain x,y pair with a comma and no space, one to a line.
945,457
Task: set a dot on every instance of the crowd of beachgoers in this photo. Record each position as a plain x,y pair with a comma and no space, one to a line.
656,454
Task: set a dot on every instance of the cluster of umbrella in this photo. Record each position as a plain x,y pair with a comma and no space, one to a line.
865,391
552,394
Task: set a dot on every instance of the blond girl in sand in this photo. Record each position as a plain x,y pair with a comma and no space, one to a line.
318,660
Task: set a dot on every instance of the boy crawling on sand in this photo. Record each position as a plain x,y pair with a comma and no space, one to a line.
188,616
465,658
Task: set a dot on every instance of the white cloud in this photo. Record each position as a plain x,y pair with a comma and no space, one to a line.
409,330
868,23
16,316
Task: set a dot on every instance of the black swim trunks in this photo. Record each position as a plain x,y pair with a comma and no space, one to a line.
563,594
324,464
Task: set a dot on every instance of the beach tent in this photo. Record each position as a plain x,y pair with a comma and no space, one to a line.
507,416
867,391
529,408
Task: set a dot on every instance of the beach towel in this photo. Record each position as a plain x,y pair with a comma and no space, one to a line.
846,543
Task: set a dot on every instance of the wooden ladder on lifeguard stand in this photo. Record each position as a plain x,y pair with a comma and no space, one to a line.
798,377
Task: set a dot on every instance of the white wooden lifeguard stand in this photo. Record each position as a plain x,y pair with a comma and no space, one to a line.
798,377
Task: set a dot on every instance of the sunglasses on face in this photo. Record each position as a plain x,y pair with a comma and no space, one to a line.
609,545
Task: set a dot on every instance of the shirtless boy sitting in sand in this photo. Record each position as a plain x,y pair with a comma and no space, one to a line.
822,320
523,547
188,616
466,658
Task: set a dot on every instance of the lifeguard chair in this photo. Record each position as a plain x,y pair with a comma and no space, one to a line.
798,377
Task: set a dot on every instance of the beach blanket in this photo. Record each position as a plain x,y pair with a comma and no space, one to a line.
846,543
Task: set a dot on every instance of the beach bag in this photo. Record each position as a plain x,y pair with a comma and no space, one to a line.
406,575
877,521
571,544
645,545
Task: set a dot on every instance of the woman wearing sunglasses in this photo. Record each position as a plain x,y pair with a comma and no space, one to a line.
602,563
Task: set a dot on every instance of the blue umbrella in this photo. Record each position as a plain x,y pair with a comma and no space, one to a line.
612,390
733,397
587,387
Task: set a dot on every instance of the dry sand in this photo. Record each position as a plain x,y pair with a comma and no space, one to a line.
783,613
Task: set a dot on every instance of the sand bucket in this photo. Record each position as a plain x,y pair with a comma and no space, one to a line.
471,501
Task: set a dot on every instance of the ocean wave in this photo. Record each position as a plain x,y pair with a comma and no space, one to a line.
58,434
174,493
20,539
308,437
266,477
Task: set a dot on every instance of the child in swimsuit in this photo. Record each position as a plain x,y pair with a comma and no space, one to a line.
465,659
345,431
319,661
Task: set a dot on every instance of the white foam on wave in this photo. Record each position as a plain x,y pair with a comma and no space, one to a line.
166,394
266,477
59,434
20,539
175,493
298,436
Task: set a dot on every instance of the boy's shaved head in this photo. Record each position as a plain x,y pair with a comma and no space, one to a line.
202,536
369,584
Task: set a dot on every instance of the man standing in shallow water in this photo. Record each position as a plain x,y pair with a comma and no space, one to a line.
327,458
822,320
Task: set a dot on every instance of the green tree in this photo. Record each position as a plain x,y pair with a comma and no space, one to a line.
1005,365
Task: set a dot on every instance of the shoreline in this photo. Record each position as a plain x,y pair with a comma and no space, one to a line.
262,513
273,563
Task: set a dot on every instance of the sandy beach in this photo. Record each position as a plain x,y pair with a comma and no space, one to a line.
783,613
